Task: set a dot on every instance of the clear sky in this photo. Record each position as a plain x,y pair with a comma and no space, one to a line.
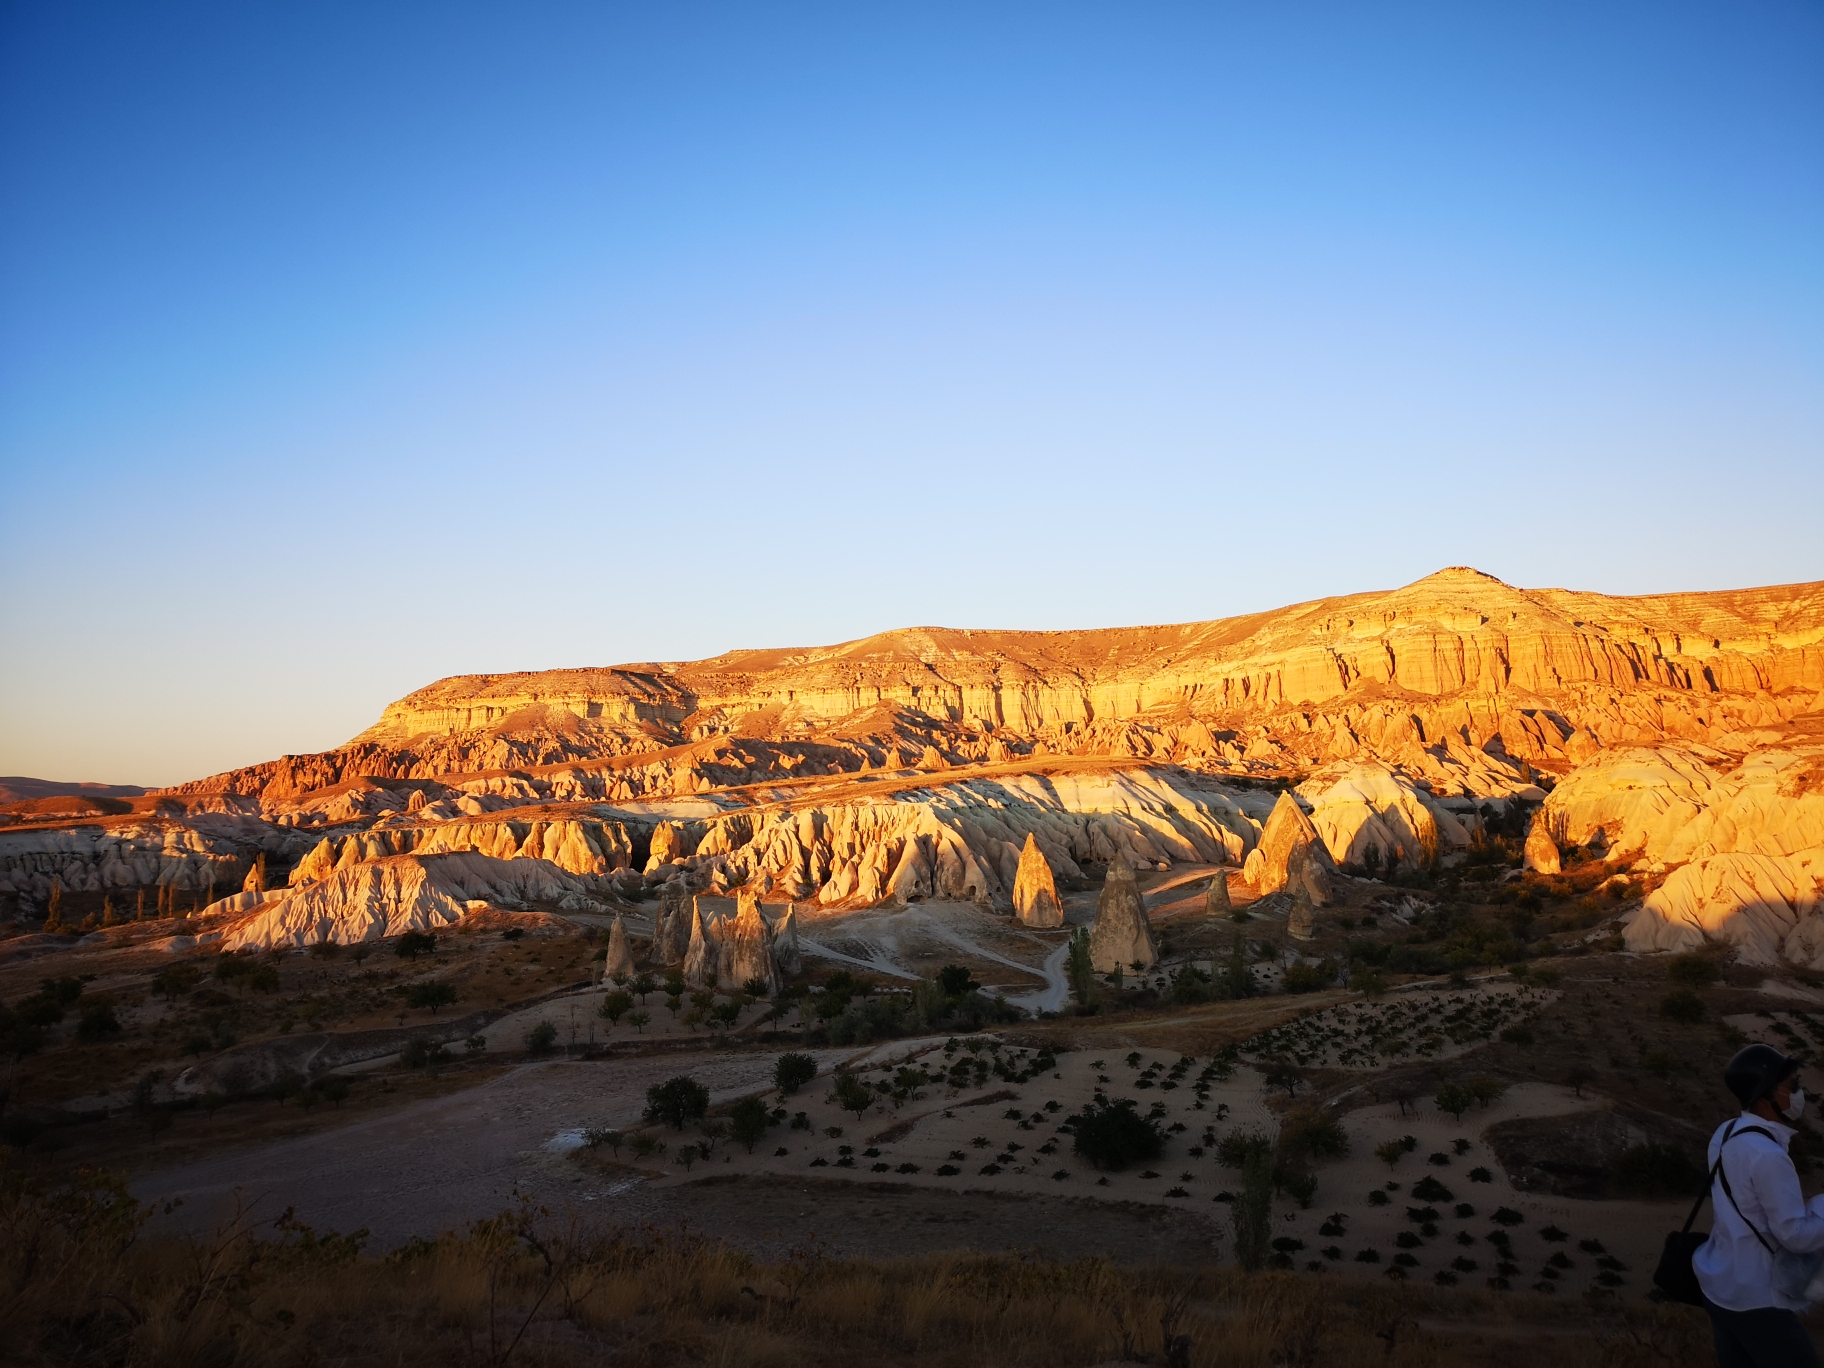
344,346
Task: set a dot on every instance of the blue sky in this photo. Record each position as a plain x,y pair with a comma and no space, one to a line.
343,347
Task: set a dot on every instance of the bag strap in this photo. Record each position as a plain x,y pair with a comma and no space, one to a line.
1720,1173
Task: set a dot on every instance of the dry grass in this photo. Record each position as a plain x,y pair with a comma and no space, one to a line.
83,1288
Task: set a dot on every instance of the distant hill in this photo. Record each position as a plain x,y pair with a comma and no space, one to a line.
16,788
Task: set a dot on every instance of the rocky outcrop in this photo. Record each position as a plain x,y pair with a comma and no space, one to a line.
1035,893
786,952
1122,935
747,952
619,961
1455,674
1286,843
374,899
1216,900
1375,818
1541,855
702,957
1667,804
1764,905
583,847
1301,919
191,855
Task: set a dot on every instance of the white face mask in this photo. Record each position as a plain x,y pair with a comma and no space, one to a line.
1795,1108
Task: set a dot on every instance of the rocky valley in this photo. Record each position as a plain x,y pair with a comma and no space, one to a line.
1494,877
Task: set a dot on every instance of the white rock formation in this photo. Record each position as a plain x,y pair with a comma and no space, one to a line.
373,899
1371,806
747,950
786,951
702,957
1764,905
1288,835
1216,900
619,963
1035,892
1122,934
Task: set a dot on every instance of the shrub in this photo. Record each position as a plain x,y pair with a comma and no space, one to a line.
615,1006
421,1052
792,1071
676,1101
1455,1099
749,1121
1236,1148
1112,1135
1309,978
1655,1171
415,943
98,1023
851,1094
432,995
1306,1134
541,1038
1684,1006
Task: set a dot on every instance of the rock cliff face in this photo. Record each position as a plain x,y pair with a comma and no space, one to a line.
1457,659
1678,730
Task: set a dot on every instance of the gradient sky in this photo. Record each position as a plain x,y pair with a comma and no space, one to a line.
347,346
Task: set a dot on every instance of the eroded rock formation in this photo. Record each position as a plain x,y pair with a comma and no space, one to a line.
1122,934
1035,893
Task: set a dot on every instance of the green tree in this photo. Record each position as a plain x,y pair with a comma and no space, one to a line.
677,1101
1237,981
851,1094
792,1071
1080,971
436,996
1112,1135
541,1038
749,1121
415,943
638,1020
1455,1099
642,985
615,1006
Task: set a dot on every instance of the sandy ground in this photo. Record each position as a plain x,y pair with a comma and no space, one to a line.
983,1165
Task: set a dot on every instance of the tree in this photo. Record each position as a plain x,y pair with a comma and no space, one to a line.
749,1121
956,980
98,1022
792,1072
1455,1099
638,1020
1281,1074
175,979
433,995
676,1101
851,1094
642,985
615,1006
1238,982
1112,1135
1080,971
415,943
541,1038
755,988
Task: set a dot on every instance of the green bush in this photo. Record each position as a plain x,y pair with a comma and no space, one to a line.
676,1101
415,943
541,1038
615,1006
1683,1006
432,995
749,1120
792,1072
1309,978
1236,1148
1112,1135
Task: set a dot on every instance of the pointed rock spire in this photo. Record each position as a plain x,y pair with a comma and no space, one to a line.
1287,833
786,953
1121,936
1541,854
1035,892
747,951
619,963
700,956
1216,902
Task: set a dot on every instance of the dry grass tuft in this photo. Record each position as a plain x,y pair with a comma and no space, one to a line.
82,1287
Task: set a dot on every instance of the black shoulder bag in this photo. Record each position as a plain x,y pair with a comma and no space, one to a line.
1675,1276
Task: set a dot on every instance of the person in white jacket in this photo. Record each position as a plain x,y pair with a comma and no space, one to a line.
1759,1214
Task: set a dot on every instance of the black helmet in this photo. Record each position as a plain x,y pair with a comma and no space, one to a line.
1756,1071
